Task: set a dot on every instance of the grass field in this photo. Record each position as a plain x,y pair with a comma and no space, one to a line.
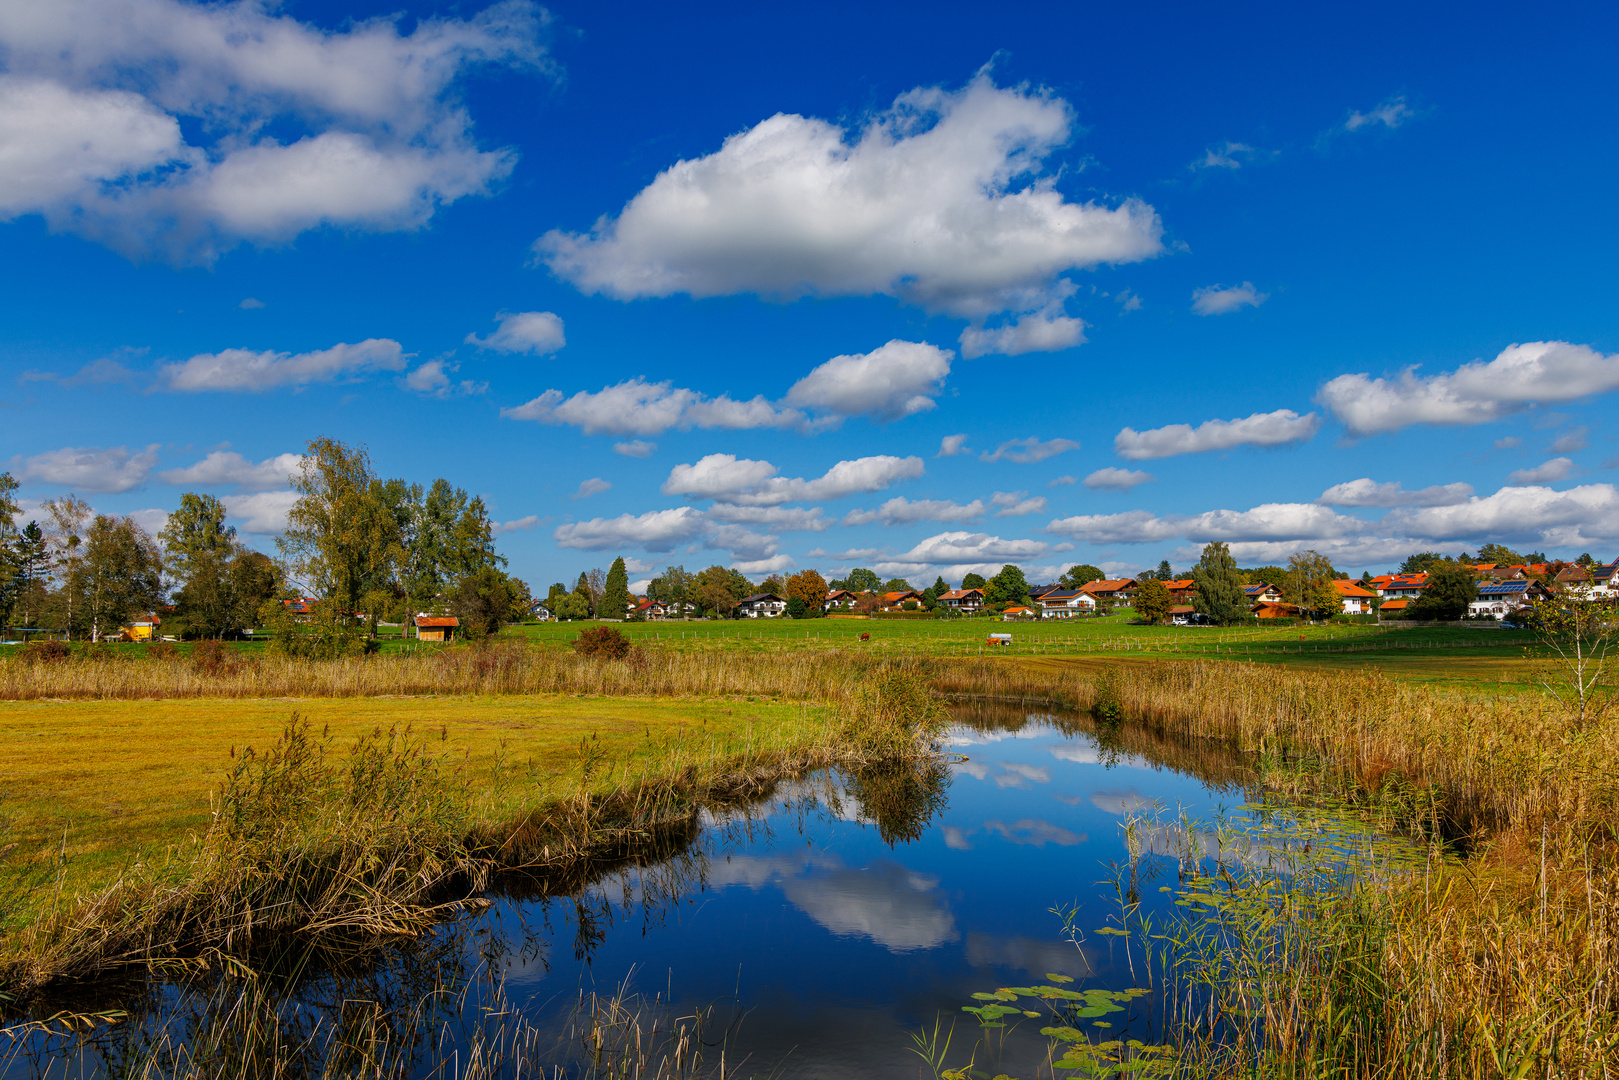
105,783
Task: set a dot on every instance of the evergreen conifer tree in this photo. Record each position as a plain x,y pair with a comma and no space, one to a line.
616,596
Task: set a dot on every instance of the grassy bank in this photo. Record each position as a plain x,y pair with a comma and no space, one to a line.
337,825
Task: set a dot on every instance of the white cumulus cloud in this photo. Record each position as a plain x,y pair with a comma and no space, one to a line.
957,553
903,511
1261,429
1034,332
1112,479
951,445
656,530
536,332
1271,521
1367,492
594,486
90,468
781,518
262,513
228,468
727,478
1029,450
1537,372
293,126
771,565
1547,472
1576,517
1222,299
637,407
636,448
243,370
942,200
896,380
1017,503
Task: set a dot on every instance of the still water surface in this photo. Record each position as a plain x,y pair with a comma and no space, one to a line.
822,928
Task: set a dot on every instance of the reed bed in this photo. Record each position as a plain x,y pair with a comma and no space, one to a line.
500,667
1502,964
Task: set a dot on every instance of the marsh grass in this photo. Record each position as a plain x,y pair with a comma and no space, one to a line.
1499,964
493,667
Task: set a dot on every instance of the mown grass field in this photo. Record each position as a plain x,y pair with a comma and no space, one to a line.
104,783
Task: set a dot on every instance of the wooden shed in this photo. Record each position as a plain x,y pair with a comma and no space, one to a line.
437,627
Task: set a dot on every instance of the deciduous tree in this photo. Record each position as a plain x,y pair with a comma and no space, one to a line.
1008,587
1152,601
973,581
1579,638
715,591
341,537
1080,574
1219,593
122,573
809,587
1451,587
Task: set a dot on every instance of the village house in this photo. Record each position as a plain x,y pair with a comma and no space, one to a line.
142,627
765,605
1017,614
896,601
962,601
1184,615
1400,586
1356,600
1269,609
1112,590
842,599
437,627
1263,593
1503,599
1393,609
1180,592
1065,603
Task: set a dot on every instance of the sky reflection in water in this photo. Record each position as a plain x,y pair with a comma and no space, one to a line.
838,946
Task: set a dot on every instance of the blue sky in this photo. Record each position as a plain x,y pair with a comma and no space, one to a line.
926,288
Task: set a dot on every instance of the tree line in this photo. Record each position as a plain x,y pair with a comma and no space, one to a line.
367,550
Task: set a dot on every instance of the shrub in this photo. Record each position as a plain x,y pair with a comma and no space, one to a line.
214,659
896,716
46,652
1108,705
162,650
603,642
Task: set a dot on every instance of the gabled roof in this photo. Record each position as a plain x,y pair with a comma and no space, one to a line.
756,597
1108,585
962,594
1178,585
1349,588
897,597
1393,605
1017,611
437,620
1504,588
1255,590
1182,609
1061,594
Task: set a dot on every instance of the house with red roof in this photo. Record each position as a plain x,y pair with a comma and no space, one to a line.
1356,600
962,601
436,627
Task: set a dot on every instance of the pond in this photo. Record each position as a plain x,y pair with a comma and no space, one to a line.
819,934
